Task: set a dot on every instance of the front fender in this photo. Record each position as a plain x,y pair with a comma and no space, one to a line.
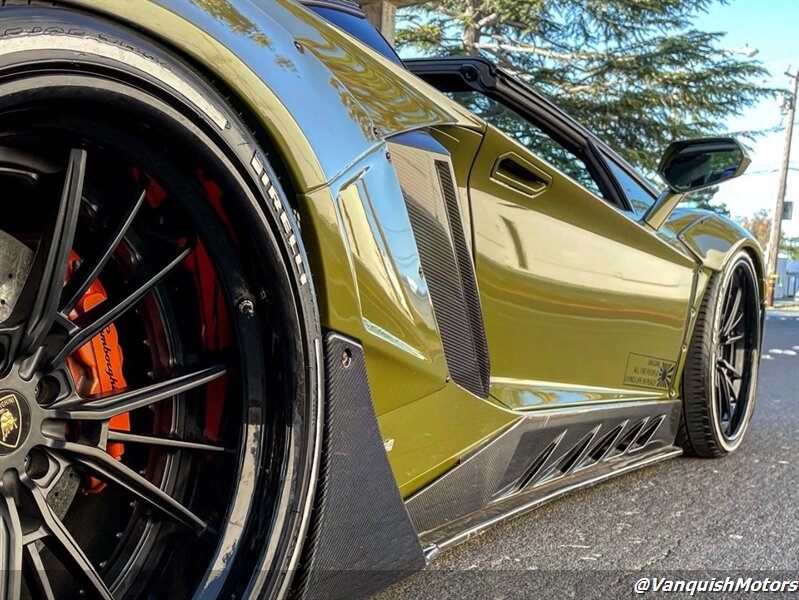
714,239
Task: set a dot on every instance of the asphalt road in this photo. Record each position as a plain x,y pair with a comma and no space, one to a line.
738,513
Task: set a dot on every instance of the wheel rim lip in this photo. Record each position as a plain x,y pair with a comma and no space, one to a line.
749,362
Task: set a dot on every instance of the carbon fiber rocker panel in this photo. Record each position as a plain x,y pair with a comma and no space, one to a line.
361,538
542,453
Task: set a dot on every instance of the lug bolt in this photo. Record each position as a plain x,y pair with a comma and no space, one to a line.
247,308
47,390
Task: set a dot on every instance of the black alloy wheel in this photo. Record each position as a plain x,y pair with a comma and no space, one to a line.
159,368
720,377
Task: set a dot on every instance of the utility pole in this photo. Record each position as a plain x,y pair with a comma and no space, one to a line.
776,224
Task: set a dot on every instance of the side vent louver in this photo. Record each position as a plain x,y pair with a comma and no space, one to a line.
567,454
646,435
466,270
629,438
601,449
567,461
539,462
432,201
542,455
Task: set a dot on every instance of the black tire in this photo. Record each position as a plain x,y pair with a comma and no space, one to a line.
719,384
73,85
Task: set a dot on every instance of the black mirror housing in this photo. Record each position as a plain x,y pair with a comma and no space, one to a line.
691,165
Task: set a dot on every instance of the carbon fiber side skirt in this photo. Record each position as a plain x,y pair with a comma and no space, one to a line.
543,455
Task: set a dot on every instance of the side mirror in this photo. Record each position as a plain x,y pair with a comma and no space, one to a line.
691,165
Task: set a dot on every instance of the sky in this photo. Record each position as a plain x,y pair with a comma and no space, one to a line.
772,27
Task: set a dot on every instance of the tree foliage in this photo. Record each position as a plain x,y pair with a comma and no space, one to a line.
637,72
759,225
790,246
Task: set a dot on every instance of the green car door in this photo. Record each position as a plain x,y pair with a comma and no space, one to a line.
582,301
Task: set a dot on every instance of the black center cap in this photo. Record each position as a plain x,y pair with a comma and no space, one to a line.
14,421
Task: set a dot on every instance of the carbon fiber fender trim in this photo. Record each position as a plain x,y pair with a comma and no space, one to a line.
361,538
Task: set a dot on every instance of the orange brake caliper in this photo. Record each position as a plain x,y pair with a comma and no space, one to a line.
96,368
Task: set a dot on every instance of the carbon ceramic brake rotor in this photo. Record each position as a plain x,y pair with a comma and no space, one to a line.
15,264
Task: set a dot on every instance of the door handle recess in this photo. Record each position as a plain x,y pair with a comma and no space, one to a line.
515,172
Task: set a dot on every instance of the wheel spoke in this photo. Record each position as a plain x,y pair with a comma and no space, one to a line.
104,408
158,310
18,550
56,246
93,322
154,440
729,369
729,392
64,547
734,322
10,550
724,397
90,268
732,395
734,314
36,575
105,467
732,339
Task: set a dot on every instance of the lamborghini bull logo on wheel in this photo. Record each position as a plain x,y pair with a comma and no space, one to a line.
9,421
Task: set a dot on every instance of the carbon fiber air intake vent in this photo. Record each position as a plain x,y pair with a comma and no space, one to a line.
466,270
432,202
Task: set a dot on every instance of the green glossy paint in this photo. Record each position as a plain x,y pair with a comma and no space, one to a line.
570,286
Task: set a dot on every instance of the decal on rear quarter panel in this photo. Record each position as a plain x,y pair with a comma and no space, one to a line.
648,371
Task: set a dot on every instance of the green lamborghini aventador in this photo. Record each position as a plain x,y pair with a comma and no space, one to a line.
282,315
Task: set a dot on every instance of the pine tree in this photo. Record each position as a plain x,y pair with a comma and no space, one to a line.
790,246
636,72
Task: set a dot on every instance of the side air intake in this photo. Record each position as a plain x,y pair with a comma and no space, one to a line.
466,270
432,203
